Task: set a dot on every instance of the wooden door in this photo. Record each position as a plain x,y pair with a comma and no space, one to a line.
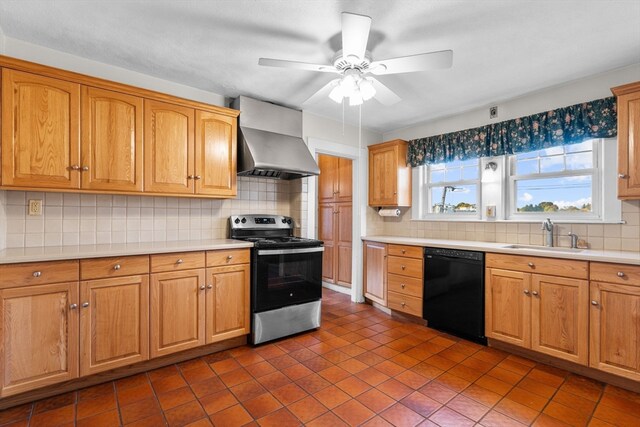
168,148
508,306
344,181
615,329
177,311
560,317
39,336
383,176
629,145
375,272
343,244
227,302
327,233
40,131
114,323
215,160
111,140
327,180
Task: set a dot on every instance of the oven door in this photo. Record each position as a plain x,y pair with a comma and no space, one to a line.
285,277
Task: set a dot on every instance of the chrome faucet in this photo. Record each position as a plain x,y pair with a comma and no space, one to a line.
547,226
574,240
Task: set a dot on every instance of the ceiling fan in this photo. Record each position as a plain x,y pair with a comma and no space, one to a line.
355,65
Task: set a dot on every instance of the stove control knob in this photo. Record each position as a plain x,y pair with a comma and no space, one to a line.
237,221
288,221
244,220
284,220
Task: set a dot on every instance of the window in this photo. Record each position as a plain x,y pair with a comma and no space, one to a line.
562,182
453,188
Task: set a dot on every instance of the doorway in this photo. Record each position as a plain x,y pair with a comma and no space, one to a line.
335,213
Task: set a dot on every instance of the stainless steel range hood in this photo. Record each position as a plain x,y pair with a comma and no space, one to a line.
270,141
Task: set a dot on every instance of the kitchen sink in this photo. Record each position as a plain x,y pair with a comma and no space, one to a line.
543,248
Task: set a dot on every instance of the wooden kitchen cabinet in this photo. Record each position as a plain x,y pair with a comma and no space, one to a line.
326,233
507,306
114,323
628,103
375,272
227,302
39,336
405,279
111,145
40,131
215,154
389,175
335,230
335,180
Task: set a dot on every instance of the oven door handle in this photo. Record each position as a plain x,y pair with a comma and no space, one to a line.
290,251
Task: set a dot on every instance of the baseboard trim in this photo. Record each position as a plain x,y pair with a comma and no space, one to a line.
337,288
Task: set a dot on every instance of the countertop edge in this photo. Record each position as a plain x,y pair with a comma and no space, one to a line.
60,253
618,257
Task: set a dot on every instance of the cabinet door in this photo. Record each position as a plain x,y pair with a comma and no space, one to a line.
344,180
327,233
39,336
114,324
327,180
383,176
343,244
375,272
177,311
227,305
40,132
215,154
615,329
168,148
508,306
560,317
111,140
629,146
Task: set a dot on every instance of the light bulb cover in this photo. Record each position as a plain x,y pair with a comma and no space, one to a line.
366,89
355,98
337,94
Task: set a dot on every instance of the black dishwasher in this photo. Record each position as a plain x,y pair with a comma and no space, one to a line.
454,292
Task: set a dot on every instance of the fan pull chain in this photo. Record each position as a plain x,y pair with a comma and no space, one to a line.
360,130
343,116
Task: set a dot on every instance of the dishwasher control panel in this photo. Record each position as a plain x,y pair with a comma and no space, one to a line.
453,253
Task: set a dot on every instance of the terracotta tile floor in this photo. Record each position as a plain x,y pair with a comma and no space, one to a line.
360,368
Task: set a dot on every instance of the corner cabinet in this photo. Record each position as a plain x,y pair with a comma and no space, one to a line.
389,175
628,140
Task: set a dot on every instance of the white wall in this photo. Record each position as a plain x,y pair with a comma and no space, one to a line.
582,90
314,126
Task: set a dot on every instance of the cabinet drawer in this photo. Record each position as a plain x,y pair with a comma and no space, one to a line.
405,303
227,257
405,266
113,267
406,251
177,261
615,273
532,264
405,285
38,273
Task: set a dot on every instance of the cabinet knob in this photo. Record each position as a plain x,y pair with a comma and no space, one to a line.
535,293
229,257
402,285
74,167
403,267
530,264
526,291
403,304
85,304
209,286
620,274
622,176
179,261
73,306
404,251
84,168
191,177
197,177
116,267
37,273
395,193
202,287
594,302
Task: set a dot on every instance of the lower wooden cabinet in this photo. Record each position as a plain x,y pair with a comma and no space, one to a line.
507,306
615,329
227,302
375,272
177,311
39,336
114,323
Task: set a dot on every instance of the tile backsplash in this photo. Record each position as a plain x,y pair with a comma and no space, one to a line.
72,219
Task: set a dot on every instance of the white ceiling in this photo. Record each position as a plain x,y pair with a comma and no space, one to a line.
502,48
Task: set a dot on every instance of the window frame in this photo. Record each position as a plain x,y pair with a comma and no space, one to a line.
427,187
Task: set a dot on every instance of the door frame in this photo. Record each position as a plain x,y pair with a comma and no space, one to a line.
359,188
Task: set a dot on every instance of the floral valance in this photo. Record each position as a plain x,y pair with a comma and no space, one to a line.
567,125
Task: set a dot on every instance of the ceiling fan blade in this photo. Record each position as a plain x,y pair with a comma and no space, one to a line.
383,94
355,35
283,63
413,63
322,93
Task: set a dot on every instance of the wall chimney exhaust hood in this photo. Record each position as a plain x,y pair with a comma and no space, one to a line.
270,141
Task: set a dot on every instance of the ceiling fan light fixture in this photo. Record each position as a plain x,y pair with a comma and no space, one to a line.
337,94
356,99
366,89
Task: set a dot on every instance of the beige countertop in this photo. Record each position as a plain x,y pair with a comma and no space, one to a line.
53,253
508,248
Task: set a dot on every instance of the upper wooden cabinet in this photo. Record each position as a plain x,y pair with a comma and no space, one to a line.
628,140
111,140
389,174
335,180
215,154
40,131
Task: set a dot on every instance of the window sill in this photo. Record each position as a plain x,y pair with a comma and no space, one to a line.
517,221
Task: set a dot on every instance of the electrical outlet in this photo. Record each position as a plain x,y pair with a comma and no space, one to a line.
493,112
35,207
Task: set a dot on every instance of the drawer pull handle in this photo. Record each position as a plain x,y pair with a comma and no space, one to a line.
403,304
594,302
404,251
85,304
402,285
209,286
535,293
116,267
179,261
403,267
37,273
73,306
526,291
621,274
230,257
531,264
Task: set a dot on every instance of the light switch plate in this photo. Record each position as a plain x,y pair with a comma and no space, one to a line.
35,207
